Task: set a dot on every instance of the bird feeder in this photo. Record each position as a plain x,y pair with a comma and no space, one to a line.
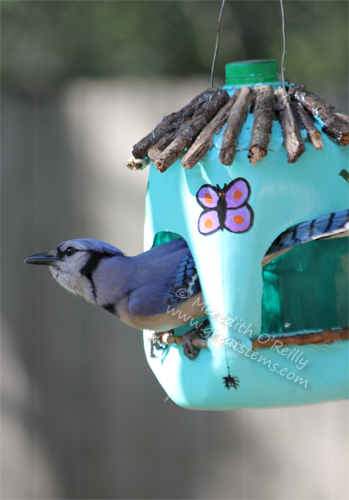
229,173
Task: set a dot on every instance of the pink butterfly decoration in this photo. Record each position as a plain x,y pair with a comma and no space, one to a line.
225,208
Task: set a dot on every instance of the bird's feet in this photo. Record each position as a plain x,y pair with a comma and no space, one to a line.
155,342
189,350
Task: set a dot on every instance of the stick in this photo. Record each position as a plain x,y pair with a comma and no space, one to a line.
204,141
304,120
325,337
342,116
155,151
263,120
191,130
292,136
236,119
335,126
170,339
134,164
171,122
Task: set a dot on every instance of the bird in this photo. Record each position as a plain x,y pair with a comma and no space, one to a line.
143,289
329,226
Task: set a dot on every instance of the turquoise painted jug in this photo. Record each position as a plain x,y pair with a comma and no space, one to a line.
305,290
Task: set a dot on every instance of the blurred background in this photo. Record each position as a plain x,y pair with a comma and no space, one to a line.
82,414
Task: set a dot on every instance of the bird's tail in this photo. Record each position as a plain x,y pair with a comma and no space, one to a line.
334,225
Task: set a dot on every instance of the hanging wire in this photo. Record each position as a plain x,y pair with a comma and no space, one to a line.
284,51
217,42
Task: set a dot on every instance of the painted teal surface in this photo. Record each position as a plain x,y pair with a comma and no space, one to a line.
231,276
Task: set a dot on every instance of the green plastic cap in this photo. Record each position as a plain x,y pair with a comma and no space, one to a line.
257,71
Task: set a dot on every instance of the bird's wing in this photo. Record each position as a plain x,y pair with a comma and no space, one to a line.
186,282
175,280
335,225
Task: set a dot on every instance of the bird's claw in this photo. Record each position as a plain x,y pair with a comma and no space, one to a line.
190,351
156,344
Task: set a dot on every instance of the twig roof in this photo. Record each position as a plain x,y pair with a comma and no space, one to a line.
191,130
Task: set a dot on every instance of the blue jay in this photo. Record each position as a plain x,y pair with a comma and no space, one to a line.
140,290
330,226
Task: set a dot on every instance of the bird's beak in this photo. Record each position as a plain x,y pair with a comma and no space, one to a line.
42,259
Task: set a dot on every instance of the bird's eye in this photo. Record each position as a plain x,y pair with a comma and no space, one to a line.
70,251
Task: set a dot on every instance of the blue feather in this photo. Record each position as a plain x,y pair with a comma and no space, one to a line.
321,227
173,269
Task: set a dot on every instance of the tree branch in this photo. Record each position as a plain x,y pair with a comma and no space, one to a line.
263,120
190,130
292,136
204,141
335,126
236,120
325,337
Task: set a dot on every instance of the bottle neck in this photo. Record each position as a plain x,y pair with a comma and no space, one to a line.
251,72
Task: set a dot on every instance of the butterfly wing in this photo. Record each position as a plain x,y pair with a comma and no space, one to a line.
209,222
207,196
237,193
239,220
